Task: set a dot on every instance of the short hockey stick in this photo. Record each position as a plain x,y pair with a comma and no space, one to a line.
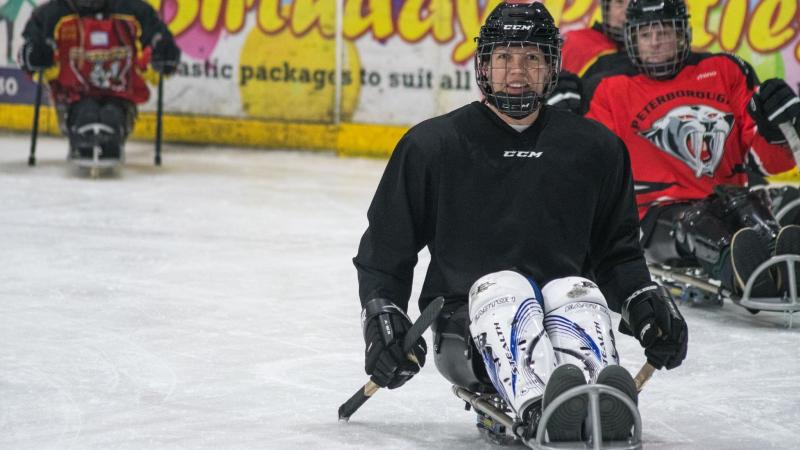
36,107
159,117
644,374
787,128
424,321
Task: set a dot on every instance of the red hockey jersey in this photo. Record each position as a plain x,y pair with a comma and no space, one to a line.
687,134
99,58
584,47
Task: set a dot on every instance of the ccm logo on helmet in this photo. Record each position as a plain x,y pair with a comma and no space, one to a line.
518,27
521,154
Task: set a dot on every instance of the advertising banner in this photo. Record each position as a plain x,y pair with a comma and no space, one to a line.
401,61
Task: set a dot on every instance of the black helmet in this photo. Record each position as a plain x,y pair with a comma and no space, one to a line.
660,13
517,25
88,6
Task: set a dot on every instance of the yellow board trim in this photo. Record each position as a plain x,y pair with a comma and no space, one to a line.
348,139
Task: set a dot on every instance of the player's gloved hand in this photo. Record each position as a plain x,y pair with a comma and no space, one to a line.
567,93
772,104
35,56
650,315
384,325
166,55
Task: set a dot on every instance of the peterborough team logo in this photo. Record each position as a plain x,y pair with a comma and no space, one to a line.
694,134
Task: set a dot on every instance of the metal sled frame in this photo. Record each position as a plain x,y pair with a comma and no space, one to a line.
95,164
788,304
480,403
786,209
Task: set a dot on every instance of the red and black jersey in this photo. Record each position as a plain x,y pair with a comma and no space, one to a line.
99,58
99,54
582,48
687,134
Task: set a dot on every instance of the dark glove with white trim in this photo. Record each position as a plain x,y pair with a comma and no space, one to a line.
166,55
35,56
772,104
567,93
651,316
385,325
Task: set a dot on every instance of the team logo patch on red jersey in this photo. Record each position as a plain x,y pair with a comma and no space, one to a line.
694,134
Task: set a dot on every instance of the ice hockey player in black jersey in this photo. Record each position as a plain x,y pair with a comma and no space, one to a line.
508,195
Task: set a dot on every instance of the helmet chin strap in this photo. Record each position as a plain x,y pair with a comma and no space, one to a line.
519,115
504,103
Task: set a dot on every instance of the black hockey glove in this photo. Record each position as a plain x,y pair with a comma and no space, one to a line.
384,326
772,104
567,93
166,55
35,56
650,315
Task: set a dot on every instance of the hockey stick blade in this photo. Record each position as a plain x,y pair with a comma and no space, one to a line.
416,331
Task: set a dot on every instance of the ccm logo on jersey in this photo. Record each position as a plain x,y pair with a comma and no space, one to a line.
521,154
518,27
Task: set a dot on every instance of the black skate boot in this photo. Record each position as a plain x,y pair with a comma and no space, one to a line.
616,418
748,251
783,198
493,431
788,243
566,423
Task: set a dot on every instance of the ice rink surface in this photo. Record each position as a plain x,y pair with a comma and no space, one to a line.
212,303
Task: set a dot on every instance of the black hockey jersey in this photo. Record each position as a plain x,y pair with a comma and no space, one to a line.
552,201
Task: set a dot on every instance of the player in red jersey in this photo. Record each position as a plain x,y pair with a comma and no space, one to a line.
582,48
94,54
691,123
589,52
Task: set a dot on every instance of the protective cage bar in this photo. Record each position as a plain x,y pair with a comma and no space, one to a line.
592,390
596,443
788,304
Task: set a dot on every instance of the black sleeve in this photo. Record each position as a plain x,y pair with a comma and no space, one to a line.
616,253
42,22
146,16
399,226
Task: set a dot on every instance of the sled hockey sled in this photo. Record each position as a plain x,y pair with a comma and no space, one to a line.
89,155
506,430
695,287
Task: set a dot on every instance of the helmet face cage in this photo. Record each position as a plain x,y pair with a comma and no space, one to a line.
516,76
518,58
658,48
616,34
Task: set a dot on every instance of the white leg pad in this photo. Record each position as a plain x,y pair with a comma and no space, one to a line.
579,324
506,323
